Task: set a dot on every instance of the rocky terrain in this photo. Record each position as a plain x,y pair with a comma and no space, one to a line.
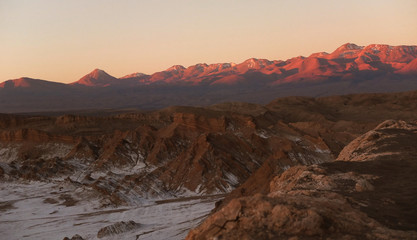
348,69
164,170
367,193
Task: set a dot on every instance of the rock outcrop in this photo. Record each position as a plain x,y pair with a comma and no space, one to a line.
117,228
75,237
368,193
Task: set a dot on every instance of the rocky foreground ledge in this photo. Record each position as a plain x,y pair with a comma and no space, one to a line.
369,192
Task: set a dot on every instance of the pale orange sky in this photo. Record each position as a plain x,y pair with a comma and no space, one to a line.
64,40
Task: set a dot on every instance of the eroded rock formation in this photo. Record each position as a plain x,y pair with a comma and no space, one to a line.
368,193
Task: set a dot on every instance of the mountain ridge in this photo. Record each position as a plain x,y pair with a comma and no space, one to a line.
398,56
348,69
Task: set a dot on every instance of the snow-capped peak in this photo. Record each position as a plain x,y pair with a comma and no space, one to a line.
176,68
255,62
133,75
349,46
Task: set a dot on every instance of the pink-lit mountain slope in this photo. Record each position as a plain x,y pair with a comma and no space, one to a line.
96,78
30,83
410,68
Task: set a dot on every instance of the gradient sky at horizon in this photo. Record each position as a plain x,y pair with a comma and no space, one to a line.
64,40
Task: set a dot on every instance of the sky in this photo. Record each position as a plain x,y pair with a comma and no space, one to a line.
64,40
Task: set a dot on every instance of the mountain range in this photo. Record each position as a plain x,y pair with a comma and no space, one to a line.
348,69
